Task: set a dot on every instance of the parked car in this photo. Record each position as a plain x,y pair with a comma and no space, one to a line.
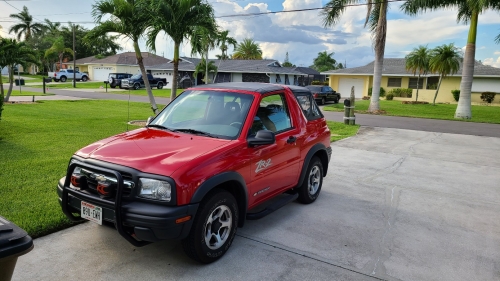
115,79
65,74
209,160
322,94
136,82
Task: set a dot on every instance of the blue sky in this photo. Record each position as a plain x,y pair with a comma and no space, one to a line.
301,34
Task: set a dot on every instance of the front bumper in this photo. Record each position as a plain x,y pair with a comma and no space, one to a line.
138,222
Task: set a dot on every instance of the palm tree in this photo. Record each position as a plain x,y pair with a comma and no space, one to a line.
26,27
202,67
202,41
52,27
418,61
324,61
13,53
223,41
178,19
247,50
58,49
444,60
468,12
129,18
376,18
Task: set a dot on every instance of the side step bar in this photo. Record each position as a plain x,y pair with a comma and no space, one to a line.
271,208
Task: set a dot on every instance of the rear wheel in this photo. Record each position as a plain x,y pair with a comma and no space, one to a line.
112,86
311,186
160,85
56,80
323,101
214,227
63,78
85,78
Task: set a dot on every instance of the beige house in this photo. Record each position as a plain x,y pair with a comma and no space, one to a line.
395,75
98,69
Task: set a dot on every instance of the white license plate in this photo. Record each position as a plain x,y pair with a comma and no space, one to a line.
91,212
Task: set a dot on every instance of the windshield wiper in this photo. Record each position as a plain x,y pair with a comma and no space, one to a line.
195,132
158,126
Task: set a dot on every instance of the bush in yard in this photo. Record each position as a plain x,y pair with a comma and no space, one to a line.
382,92
316,82
456,94
488,96
389,96
401,92
414,102
366,97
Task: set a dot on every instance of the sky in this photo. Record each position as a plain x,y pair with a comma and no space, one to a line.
301,34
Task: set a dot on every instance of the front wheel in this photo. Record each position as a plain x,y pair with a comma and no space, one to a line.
214,228
323,101
311,186
137,86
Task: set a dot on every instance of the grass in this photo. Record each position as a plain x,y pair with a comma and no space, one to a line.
341,131
36,78
480,114
36,143
27,93
69,84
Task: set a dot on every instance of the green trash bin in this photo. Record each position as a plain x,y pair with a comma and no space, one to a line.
14,242
19,82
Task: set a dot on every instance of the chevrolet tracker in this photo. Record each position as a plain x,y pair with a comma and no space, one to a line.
202,166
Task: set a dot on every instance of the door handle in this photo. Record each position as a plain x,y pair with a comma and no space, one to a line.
291,139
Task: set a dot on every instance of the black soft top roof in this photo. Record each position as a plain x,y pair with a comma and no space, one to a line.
262,88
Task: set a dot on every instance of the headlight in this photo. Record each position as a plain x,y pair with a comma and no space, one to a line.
155,189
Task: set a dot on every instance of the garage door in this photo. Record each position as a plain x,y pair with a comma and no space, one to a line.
101,73
345,85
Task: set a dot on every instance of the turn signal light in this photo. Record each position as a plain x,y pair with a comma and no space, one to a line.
75,181
183,219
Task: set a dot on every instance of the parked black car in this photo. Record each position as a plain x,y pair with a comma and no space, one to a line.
115,79
322,94
136,82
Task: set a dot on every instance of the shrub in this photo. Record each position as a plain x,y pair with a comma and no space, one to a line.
415,102
316,82
488,96
456,94
366,97
401,92
382,92
389,96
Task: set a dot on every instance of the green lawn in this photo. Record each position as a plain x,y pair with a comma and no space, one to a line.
37,141
36,78
480,114
69,84
26,93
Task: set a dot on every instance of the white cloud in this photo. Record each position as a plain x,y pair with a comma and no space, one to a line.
492,62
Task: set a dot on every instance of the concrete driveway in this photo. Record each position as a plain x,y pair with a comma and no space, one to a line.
396,205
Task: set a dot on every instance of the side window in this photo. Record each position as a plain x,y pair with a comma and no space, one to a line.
309,107
272,115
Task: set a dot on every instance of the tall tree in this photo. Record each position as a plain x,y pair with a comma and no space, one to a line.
128,18
203,67
287,62
12,54
247,50
26,27
179,19
468,12
202,41
52,27
59,49
444,60
376,19
223,41
324,62
418,62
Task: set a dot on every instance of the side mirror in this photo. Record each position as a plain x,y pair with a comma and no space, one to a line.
262,137
149,120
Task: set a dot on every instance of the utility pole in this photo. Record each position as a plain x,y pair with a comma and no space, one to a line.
74,59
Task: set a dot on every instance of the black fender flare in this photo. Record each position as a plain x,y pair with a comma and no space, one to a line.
314,149
240,190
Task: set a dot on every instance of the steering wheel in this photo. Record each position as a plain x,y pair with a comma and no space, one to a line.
235,124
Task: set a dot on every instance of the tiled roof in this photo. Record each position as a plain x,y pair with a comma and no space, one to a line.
129,58
83,60
397,66
242,66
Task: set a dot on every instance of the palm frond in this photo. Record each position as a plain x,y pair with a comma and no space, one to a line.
333,10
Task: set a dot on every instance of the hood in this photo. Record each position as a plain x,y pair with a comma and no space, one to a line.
151,150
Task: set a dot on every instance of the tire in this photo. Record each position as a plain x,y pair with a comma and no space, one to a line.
85,78
137,86
56,80
112,86
336,100
323,101
202,244
159,86
63,79
311,186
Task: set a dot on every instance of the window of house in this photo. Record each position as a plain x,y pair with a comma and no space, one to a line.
278,78
287,81
432,82
394,82
412,84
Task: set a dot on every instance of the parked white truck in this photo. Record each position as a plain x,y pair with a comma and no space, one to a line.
65,74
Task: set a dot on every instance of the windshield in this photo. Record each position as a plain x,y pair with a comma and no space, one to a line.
314,88
210,113
136,76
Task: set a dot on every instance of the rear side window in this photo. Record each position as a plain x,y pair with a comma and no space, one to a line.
309,106
314,88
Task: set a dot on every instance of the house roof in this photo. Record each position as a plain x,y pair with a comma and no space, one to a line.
129,58
397,67
83,60
243,66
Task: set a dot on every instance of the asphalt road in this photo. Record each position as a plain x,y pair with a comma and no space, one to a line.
428,125
396,205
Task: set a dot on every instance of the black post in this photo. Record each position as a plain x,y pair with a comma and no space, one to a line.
43,85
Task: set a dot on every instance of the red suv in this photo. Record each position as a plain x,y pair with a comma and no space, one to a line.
202,166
